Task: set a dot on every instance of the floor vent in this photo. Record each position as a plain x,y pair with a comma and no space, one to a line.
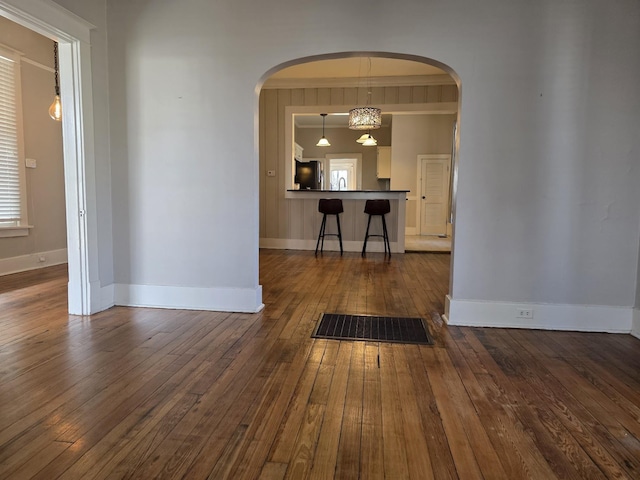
373,328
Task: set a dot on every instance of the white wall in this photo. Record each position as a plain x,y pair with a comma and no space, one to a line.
42,142
415,135
548,200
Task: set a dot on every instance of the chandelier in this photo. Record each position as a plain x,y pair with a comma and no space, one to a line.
367,117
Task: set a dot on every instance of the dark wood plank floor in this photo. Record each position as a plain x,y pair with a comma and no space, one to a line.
150,393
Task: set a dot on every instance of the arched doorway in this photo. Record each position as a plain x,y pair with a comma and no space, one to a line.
402,86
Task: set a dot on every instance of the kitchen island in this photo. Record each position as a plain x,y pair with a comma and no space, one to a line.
301,209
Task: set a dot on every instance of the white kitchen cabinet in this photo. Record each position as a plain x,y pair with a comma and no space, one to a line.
384,162
297,151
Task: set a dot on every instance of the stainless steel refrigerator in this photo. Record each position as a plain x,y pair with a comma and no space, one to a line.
309,175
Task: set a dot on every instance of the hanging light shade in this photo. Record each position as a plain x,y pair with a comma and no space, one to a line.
365,118
55,110
363,138
323,142
370,142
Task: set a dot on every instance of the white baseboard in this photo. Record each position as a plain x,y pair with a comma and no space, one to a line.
107,297
32,261
373,245
635,328
583,318
243,300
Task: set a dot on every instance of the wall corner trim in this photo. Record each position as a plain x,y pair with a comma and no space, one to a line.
581,318
107,297
635,327
242,300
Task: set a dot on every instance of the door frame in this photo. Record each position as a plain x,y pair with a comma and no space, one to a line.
436,156
73,36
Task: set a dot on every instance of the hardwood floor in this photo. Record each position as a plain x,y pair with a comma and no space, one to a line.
145,393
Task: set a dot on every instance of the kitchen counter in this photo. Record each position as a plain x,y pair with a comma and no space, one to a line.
347,191
301,210
350,191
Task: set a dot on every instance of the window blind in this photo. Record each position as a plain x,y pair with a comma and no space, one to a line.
9,160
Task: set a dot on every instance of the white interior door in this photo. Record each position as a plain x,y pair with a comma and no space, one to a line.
434,194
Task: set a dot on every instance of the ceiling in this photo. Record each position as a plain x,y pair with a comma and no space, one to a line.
356,71
357,67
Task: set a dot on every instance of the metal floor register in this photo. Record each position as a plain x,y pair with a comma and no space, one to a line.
373,328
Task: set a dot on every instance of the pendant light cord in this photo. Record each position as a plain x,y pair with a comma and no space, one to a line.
368,82
55,67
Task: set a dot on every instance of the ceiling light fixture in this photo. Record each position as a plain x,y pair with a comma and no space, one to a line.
55,110
363,137
323,142
367,117
370,142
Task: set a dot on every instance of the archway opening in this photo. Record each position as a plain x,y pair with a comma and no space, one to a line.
420,102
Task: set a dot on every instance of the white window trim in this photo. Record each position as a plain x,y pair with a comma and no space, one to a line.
22,229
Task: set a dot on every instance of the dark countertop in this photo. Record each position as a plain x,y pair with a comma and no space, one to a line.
350,191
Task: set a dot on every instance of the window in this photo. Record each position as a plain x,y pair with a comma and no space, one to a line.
344,171
339,178
13,210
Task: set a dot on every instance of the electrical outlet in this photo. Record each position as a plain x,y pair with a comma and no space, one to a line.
524,313
41,258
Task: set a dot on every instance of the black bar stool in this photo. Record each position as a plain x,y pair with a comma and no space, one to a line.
329,206
381,208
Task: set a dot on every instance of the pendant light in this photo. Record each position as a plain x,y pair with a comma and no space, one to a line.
323,142
367,117
367,140
55,110
370,142
363,137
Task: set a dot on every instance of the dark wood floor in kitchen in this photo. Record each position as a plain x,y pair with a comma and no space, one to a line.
145,393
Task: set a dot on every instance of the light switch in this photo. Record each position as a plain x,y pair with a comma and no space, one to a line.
30,162
271,173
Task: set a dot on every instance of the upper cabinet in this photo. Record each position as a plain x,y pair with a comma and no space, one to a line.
297,151
384,162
